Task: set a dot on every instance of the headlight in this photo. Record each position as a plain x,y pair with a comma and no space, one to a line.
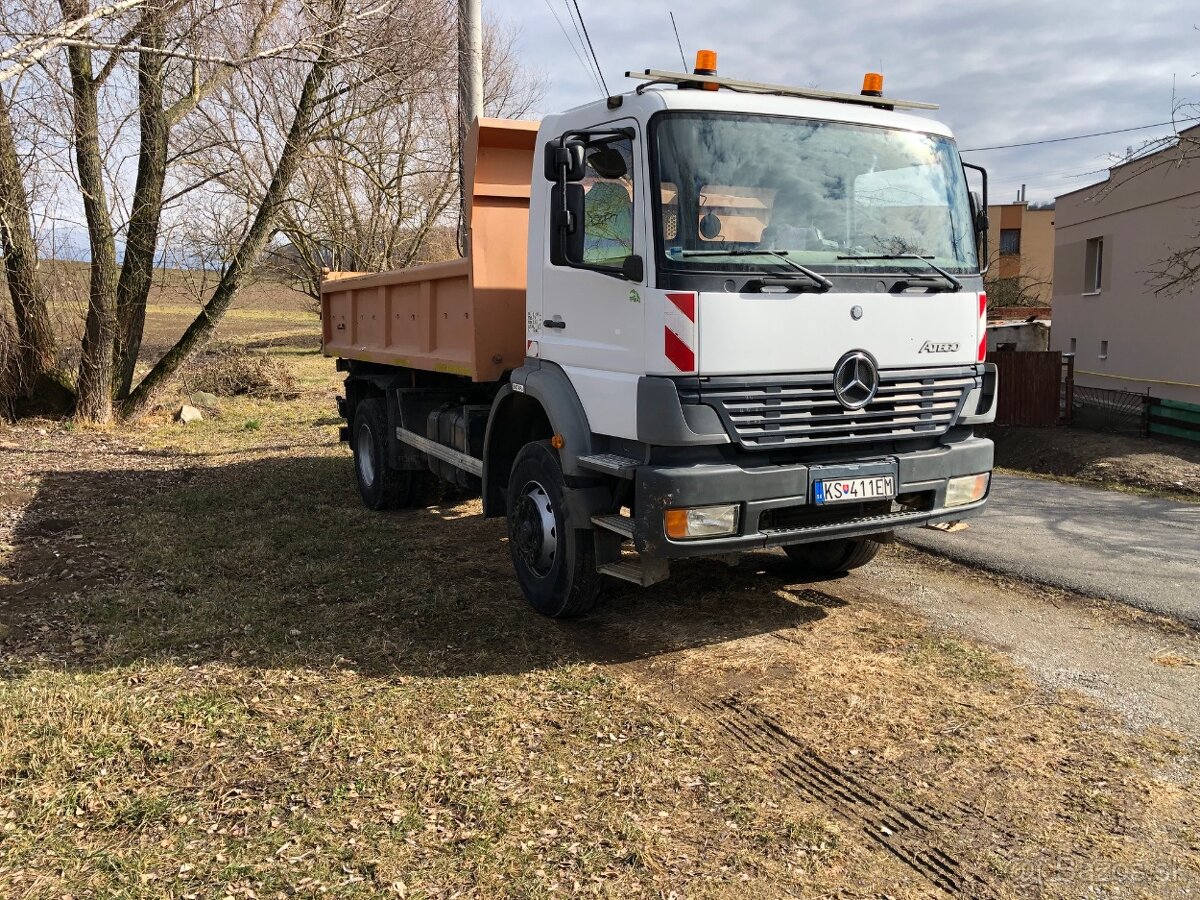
701,522
966,489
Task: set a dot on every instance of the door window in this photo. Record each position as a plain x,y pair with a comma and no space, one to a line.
608,203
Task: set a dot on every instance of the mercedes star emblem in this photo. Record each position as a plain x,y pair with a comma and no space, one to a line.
855,380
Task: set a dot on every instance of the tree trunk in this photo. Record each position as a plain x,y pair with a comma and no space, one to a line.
141,242
34,350
94,386
255,240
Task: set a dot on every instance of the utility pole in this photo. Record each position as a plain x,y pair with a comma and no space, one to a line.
470,96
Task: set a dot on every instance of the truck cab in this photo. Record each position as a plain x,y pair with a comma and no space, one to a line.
754,318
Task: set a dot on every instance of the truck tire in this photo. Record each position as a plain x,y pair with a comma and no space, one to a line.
380,486
554,558
832,557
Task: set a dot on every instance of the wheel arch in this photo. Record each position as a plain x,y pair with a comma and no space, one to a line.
536,404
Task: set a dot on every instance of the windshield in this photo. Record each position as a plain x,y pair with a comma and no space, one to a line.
818,191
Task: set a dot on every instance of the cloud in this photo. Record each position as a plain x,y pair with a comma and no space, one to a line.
1003,73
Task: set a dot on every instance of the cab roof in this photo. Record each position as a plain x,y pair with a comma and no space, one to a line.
643,104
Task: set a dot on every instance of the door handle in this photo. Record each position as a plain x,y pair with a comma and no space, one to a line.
554,323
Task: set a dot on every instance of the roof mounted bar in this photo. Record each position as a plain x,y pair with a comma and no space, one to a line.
655,76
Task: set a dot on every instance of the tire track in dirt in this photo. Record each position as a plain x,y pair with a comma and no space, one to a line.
929,841
918,837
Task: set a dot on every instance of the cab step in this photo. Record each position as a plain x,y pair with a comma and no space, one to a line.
612,530
644,572
611,464
616,523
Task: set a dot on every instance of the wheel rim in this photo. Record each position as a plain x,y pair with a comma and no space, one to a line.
365,451
534,532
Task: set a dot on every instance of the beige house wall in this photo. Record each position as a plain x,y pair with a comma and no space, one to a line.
1035,262
1153,341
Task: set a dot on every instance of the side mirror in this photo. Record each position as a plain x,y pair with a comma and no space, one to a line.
566,240
568,154
633,269
979,214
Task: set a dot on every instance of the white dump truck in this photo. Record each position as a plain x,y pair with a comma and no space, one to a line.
704,317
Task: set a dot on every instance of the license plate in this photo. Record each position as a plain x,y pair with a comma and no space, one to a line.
844,490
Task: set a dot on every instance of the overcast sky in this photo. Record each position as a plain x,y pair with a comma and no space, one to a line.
1003,73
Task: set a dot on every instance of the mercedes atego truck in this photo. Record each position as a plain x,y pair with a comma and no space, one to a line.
703,317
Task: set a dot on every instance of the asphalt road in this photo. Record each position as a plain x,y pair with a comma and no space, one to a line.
1136,550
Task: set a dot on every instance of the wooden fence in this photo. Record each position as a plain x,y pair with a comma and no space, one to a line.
1030,387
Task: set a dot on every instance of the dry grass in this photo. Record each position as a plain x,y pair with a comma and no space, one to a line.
1154,466
229,370
222,676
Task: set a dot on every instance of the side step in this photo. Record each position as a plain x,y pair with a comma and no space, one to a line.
611,464
612,531
640,571
622,525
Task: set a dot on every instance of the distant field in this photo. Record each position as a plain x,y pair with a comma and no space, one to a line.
263,308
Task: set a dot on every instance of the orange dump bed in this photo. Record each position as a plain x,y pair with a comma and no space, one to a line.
466,316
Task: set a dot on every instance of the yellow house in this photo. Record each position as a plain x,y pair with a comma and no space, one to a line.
1021,253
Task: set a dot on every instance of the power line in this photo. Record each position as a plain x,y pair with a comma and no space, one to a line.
1080,137
590,47
682,55
582,44
574,49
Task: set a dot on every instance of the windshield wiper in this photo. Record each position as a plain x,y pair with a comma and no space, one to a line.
950,279
815,277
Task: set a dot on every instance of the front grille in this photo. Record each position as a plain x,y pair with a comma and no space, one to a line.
802,410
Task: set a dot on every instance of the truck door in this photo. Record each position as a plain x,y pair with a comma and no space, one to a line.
593,320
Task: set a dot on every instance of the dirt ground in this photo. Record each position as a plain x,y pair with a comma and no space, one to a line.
220,675
1167,468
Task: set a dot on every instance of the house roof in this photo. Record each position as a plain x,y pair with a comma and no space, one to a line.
1169,144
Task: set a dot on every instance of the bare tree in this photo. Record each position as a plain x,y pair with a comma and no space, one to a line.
379,188
1028,287
198,94
31,352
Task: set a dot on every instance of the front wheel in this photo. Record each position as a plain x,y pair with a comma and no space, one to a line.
833,557
554,558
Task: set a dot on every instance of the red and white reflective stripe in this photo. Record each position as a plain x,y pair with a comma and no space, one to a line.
982,327
679,331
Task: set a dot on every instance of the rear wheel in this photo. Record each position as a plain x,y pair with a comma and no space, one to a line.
832,557
381,487
554,558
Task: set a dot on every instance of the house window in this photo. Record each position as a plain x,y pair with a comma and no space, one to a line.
1010,241
1093,266
1104,349
1073,343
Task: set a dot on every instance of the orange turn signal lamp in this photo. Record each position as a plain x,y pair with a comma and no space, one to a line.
706,64
872,85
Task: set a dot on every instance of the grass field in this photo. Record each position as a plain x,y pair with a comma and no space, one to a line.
221,676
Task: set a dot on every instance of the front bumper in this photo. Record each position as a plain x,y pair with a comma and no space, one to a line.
775,507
